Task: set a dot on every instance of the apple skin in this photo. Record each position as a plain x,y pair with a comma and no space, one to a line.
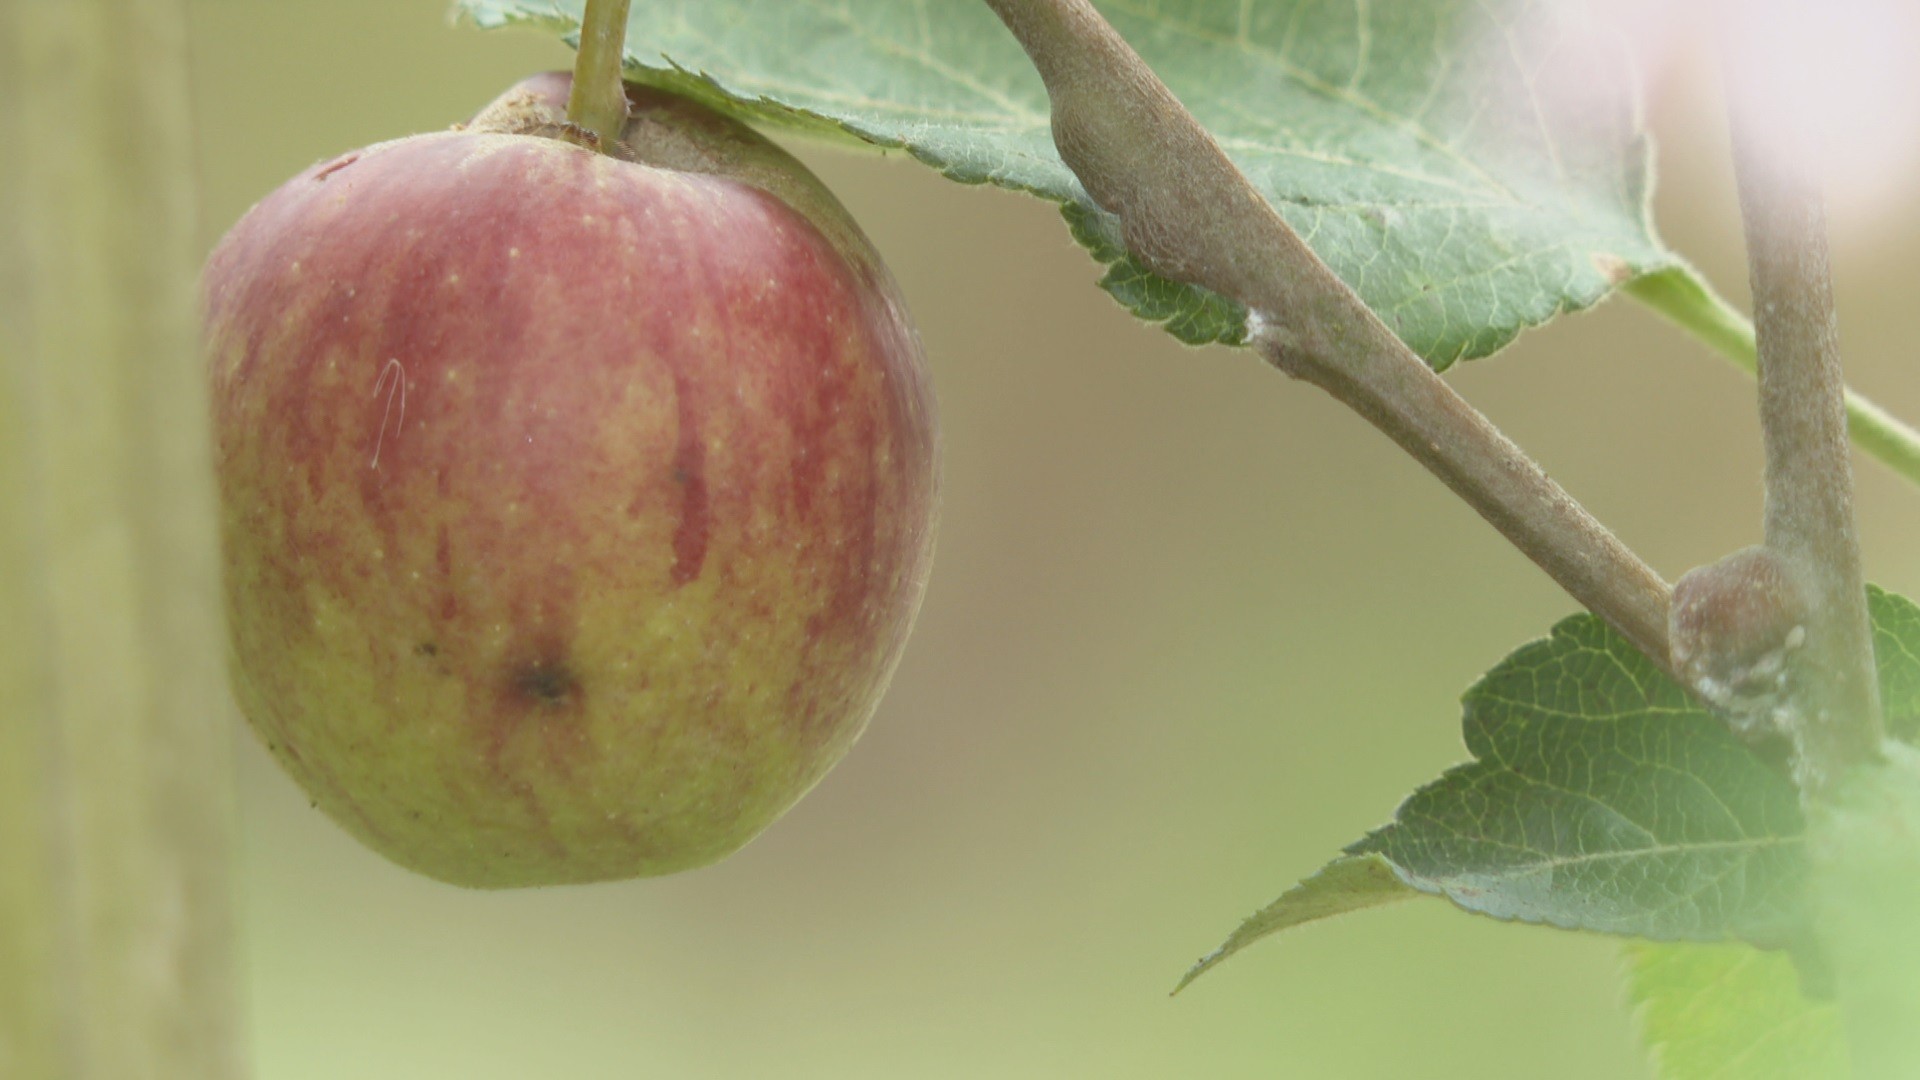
575,509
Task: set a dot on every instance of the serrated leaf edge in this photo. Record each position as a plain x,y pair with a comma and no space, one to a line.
1186,324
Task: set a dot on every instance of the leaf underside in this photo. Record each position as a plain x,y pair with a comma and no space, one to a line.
1470,167
1601,798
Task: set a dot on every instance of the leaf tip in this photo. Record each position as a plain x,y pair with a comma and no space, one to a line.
1200,967
1349,883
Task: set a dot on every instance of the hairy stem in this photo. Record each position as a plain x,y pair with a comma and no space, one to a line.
1809,474
1863,796
1188,213
116,946
598,101
1681,296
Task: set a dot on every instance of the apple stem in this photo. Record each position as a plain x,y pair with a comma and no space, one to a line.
598,101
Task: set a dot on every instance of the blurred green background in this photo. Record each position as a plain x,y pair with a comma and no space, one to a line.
1192,627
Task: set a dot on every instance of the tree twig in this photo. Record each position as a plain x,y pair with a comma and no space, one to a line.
1835,709
1188,213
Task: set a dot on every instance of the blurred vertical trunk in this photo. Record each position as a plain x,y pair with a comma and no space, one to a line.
116,945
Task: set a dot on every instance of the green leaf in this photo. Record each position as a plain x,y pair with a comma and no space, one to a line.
1343,885
1470,167
1896,649
1602,798
1732,1012
1195,316
1865,845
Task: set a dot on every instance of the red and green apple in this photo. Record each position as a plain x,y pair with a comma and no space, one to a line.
575,504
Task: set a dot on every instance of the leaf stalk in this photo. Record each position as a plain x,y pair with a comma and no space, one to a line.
1679,294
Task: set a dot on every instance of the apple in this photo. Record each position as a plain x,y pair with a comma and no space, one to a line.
575,505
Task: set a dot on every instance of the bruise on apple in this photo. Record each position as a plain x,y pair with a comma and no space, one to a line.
575,510
545,683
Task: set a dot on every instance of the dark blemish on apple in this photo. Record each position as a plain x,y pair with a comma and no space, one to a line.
545,683
427,649
335,166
